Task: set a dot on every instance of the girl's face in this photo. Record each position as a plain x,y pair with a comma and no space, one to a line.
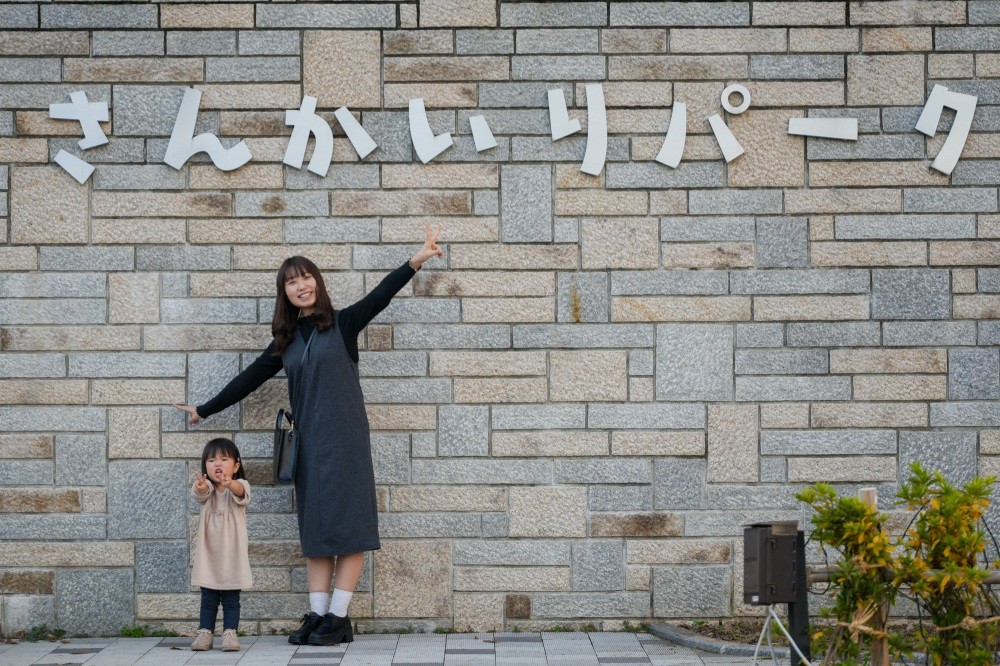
301,291
220,466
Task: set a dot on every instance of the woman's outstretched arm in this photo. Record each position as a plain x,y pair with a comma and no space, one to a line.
245,383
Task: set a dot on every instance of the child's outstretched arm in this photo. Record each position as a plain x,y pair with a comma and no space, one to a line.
235,487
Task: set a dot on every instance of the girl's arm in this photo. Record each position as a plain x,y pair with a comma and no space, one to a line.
263,368
201,490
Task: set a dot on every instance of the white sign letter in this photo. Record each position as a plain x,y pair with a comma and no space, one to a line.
597,131
183,143
425,143
965,108
306,122
88,113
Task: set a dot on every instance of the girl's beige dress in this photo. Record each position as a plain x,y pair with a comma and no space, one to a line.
221,560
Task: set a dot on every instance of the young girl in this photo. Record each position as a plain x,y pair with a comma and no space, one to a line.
221,561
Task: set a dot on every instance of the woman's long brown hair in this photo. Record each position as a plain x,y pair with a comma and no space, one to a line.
286,315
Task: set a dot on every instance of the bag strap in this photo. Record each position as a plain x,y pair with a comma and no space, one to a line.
303,362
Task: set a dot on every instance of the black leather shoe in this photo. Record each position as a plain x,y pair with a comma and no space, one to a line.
309,623
332,630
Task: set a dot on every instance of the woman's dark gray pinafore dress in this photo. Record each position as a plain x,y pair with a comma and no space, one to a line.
334,477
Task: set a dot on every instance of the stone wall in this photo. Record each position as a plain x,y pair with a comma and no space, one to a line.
574,413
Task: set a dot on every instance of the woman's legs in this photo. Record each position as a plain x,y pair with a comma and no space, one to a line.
349,571
319,573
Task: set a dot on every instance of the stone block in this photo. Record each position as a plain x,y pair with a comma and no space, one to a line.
900,387
677,483
781,362
965,414
94,601
952,453
588,375
928,334
626,40
707,229
530,417
679,551
81,460
337,16
862,361
647,416
526,208
699,591
540,14
694,362
732,443
973,374
582,297
154,509
759,335
598,565
941,200
792,389
550,443
474,42
548,511
463,430
911,294
784,67
782,242
877,227
580,336
735,202
728,40
619,243
777,157
827,442
843,470
870,415
620,498
161,566
46,206
343,68
99,17
499,579
885,80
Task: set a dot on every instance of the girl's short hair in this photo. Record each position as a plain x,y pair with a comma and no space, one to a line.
226,447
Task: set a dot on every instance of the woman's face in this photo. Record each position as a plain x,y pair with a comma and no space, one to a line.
301,291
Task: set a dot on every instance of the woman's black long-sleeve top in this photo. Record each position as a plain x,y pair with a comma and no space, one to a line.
351,320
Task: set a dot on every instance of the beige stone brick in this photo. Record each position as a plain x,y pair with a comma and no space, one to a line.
39,123
379,202
797,94
39,500
509,310
588,375
619,243
248,177
679,551
127,70
989,226
708,255
900,388
728,40
483,283
702,99
657,443
810,308
192,16
784,415
24,150
548,511
641,389
19,446
668,202
987,65
732,443
134,432
521,579
952,66
875,253
260,406
271,579
447,68
35,42
251,95
401,417
188,445
623,121
500,389
123,231
799,13
269,257
633,40
160,204
222,285
260,123
479,612
887,361
977,306
379,337
43,392
885,80
207,337
136,391
569,176
824,40
978,145
93,500
878,173
19,258
70,553
668,68
235,231
413,579
272,149
46,204
963,280
487,363
604,202
821,227
776,159
698,147
637,578
633,94
844,469
869,415
435,95
453,229
989,465
641,524
440,176
133,298
891,40
680,308
342,68
458,13
964,253
908,12
989,442
550,443
843,200
413,42
448,498
513,256
69,338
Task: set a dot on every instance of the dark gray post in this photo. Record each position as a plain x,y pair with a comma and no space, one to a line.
798,612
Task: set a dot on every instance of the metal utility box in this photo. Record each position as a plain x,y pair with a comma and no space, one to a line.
769,563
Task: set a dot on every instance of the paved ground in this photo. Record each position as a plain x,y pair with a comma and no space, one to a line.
527,649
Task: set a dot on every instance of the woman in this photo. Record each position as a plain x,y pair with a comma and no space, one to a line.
334,479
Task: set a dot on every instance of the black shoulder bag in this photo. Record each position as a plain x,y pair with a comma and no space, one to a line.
286,440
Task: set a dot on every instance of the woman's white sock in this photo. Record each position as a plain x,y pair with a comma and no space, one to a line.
318,602
341,598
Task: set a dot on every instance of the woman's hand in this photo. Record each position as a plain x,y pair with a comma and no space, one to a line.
191,411
429,249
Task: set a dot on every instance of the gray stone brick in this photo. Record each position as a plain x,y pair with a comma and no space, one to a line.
32,365
773,470
391,457
451,336
154,509
692,591
783,389
558,67
812,281
782,242
423,444
127,43
988,280
570,149
162,566
392,364
6,129
390,130
26,472
332,230
952,453
966,39
53,526
99,17
252,68
734,496
680,14
464,150
649,175
463,430
602,470
285,204
270,500
590,336
513,472
495,525
734,202
694,362
782,362
81,460
668,283
340,177
126,364
984,12
174,285
484,42
269,42
641,362
973,374
574,40
184,258
518,95
525,203
760,335
119,151
19,16
678,483
92,258
95,601
208,311
598,564
834,334
541,14
796,67
620,498
428,525
201,42
30,70
273,527
522,552
911,293
929,334
986,90
52,419
139,177
706,229
53,311
487,202
646,416
32,96
918,227
965,414
729,523
326,16
21,612
827,442
538,417
958,200
981,172
511,121
868,147
407,391
208,373
989,332
582,297
152,110
589,604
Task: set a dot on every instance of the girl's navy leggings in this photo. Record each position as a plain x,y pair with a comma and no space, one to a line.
210,600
